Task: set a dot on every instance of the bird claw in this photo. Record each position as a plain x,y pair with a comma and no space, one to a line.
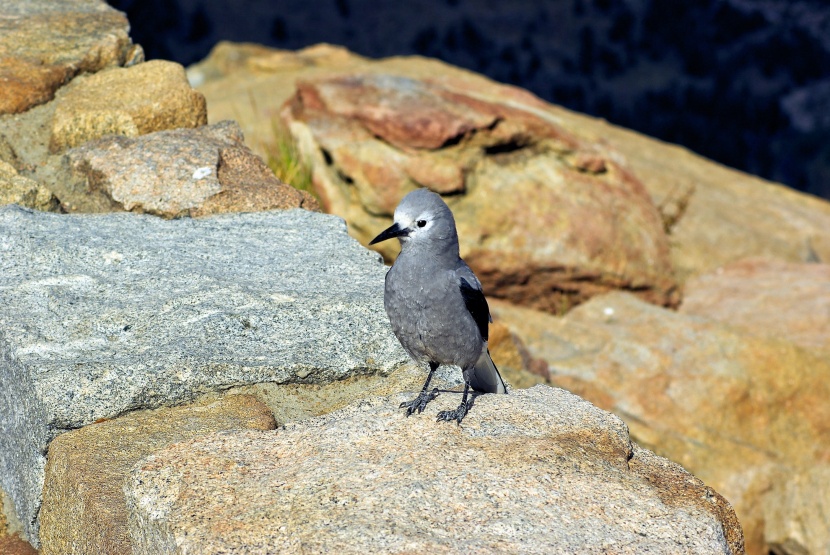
419,403
457,414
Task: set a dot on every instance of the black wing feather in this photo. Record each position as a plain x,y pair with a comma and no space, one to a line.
477,305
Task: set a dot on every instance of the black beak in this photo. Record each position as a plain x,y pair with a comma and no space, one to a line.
393,231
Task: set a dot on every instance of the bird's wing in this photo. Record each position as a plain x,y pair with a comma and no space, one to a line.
474,299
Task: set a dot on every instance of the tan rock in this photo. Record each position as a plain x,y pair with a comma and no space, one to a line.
83,507
715,215
132,101
16,189
743,413
767,297
194,172
365,133
44,44
797,513
536,471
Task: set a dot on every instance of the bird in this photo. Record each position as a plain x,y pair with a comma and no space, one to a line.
435,302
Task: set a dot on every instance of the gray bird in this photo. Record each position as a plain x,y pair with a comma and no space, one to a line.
435,303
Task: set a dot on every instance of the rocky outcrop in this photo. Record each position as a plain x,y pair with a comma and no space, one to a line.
714,215
536,471
106,314
744,413
83,507
44,44
86,138
372,138
181,172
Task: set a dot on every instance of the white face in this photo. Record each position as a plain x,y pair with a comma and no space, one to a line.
418,227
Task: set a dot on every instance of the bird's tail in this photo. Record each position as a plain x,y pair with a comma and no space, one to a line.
485,376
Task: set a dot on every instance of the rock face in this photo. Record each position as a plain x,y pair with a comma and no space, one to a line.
43,44
125,101
715,215
537,471
83,507
106,314
746,414
182,172
544,218
767,297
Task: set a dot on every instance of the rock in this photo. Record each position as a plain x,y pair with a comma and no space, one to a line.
106,314
44,44
767,297
746,414
132,101
15,545
372,138
715,215
83,507
797,513
537,471
181,172
10,541
16,189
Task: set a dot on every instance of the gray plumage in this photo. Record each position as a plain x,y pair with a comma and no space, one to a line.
434,300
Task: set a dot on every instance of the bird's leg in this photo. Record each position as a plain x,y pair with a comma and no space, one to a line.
420,402
459,413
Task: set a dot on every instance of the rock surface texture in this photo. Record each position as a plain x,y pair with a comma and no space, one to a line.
181,172
44,44
767,297
16,189
83,499
537,471
125,101
105,314
746,414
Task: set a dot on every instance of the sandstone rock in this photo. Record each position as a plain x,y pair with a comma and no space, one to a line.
715,215
746,414
767,297
106,314
175,173
83,507
544,219
132,101
43,44
16,189
537,471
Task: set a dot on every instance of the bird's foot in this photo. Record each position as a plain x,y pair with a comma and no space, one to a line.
457,414
420,402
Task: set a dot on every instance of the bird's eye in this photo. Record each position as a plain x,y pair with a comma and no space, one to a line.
421,223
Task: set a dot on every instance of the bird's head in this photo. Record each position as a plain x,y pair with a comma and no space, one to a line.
423,220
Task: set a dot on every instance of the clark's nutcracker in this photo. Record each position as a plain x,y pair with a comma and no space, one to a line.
435,303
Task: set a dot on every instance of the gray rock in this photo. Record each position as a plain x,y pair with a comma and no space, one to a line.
103,314
536,471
